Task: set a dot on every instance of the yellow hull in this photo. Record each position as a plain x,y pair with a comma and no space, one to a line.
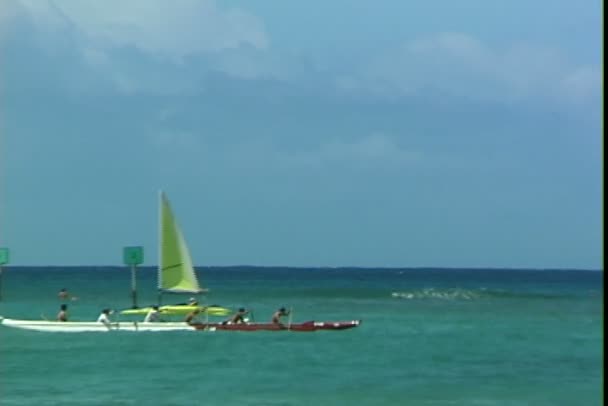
179,310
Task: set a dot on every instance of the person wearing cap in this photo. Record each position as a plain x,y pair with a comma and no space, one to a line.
192,302
153,315
276,317
104,317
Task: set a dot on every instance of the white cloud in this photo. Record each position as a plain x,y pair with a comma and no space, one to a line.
455,44
9,10
376,148
373,151
177,141
142,45
251,64
463,66
169,47
583,83
173,29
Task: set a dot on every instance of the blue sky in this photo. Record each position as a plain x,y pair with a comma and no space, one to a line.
342,133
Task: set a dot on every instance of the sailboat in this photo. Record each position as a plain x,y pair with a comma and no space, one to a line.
175,275
175,270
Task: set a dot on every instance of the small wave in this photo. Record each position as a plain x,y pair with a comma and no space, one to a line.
473,294
444,294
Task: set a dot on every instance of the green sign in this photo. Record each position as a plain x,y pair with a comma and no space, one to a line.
133,255
4,256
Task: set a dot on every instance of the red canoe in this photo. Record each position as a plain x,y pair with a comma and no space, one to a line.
306,326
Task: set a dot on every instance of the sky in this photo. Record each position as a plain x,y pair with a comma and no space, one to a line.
422,133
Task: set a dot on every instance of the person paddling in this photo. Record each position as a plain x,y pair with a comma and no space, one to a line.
276,317
104,317
153,315
63,313
193,314
238,317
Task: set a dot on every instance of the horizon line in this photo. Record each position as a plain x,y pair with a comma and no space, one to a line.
327,267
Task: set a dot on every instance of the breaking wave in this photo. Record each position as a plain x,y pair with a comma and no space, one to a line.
444,294
474,294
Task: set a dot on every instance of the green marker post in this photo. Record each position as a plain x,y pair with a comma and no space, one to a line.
4,259
133,256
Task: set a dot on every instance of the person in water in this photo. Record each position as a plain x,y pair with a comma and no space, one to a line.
276,317
104,317
153,315
238,317
63,313
65,295
192,302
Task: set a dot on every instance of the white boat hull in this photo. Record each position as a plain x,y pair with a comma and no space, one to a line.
90,326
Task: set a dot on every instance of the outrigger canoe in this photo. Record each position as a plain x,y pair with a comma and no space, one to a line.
305,326
93,326
135,326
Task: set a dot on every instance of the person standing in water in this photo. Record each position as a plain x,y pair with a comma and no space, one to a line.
65,295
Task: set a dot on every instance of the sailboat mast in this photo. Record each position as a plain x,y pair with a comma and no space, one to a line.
160,247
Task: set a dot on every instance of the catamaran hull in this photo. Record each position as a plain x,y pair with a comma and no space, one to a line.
308,326
82,327
179,310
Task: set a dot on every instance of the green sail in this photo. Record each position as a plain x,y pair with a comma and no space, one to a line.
175,270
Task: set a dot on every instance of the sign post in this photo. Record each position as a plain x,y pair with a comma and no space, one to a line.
133,256
4,259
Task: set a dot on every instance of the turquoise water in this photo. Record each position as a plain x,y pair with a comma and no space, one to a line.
428,337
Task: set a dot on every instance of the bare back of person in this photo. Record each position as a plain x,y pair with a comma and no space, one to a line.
63,313
239,317
276,317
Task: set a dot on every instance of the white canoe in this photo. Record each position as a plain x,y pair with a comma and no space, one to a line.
91,326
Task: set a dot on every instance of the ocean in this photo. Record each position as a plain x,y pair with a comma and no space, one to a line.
428,337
